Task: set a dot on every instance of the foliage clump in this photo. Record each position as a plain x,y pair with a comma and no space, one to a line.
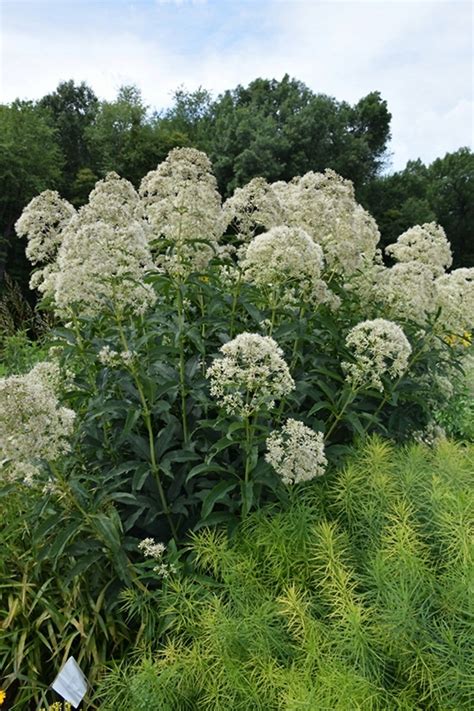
356,596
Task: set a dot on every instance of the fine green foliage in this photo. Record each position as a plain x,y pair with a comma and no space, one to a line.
457,416
357,596
19,354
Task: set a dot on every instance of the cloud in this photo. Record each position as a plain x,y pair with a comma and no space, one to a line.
418,54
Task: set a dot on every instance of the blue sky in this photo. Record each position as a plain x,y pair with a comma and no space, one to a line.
417,53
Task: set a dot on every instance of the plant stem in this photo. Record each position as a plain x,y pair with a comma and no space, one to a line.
248,447
182,371
297,340
149,426
340,414
273,307
235,297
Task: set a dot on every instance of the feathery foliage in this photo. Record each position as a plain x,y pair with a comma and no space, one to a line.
358,596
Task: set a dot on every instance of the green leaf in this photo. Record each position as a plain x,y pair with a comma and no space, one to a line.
140,476
108,529
218,493
234,427
216,518
246,491
63,538
204,469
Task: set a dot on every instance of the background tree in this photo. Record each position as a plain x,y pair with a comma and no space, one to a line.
451,195
441,192
73,109
30,161
281,129
125,138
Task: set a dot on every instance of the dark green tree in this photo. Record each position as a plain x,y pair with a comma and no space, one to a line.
442,192
280,129
187,122
451,195
73,109
30,161
124,138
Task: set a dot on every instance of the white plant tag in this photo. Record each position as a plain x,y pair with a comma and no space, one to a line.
71,683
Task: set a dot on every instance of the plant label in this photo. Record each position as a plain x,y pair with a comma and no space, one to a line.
71,683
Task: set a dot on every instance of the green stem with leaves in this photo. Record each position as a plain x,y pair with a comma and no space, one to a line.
235,298
146,413
182,362
338,417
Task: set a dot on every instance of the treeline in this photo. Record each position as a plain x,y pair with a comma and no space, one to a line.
278,129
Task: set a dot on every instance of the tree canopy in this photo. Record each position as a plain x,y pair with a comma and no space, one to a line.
275,129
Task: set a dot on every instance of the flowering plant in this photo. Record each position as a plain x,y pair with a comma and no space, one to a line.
194,330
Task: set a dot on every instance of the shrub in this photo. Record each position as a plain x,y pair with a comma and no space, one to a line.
356,596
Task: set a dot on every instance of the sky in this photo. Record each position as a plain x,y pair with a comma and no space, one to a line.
417,53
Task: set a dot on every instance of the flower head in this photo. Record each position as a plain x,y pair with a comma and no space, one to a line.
296,452
286,258
42,222
33,424
150,549
183,208
105,254
251,374
379,347
426,244
251,208
407,291
323,204
454,295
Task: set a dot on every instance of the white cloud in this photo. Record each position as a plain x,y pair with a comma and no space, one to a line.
416,53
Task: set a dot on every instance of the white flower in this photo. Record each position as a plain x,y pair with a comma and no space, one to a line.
426,244
296,452
253,207
250,375
433,435
288,259
407,291
42,223
150,549
33,424
379,347
323,204
114,359
183,207
454,295
105,254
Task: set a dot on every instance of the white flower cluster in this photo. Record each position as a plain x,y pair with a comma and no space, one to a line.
42,222
252,374
150,549
296,452
183,207
407,291
425,244
115,359
323,204
33,425
251,208
105,254
455,296
286,258
379,347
